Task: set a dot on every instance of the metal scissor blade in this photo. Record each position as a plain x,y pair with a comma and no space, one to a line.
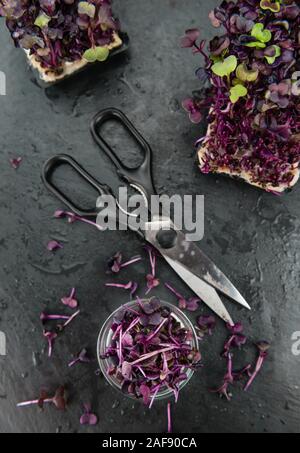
209,272
206,292
189,255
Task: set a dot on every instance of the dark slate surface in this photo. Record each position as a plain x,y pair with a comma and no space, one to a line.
253,236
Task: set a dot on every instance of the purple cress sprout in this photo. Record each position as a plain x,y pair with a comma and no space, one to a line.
191,304
59,400
59,214
152,280
263,348
115,264
88,418
53,245
82,357
15,162
70,300
130,286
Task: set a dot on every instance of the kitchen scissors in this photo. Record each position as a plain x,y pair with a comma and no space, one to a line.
185,257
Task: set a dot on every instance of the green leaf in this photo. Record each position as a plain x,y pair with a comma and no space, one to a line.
271,60
257,44
42,20
245,74
226,67
237,92
273,6
96,54
260,33
87,8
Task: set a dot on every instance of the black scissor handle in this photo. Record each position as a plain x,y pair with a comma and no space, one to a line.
141,175
63,159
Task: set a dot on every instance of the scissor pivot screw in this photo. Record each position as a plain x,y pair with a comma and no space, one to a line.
166,238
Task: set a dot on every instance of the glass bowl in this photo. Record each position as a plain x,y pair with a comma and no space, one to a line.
105,337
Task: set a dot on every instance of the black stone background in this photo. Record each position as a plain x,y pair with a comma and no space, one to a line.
253,236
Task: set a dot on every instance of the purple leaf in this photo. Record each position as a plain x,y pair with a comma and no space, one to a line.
54,245
88,418
16,162
51,337
70,300
82,357
190,38
206,324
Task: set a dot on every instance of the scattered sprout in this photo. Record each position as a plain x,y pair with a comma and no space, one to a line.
88,418
152,280
60,214
82,357
223,390
205,325
54,245
59,400
263,348
68,321
130,286
70,300
116,264
45,317
15,162
51,337
191,304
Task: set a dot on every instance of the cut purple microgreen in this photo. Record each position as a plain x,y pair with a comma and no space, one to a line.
72,218
130,286
169,418
68,321
115,263
205,326
191,304
263,348
228,379
236,340
152,280
81,357
51,337
45,317
150,350
240,374
53,245
235,328
15,162
70,300
59,400
88,418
